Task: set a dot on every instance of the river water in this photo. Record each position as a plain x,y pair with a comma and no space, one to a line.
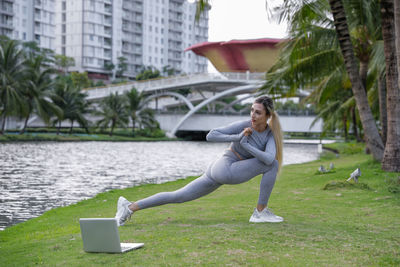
36,177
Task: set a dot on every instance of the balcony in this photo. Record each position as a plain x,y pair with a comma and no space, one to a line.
132,7
107,31
107,42
175,48
131,29
6,9
6,23
6,32
126,50
107,8
138,17
175,55
107,20
37,28
175,8
178,1
138,40
138,51
107,53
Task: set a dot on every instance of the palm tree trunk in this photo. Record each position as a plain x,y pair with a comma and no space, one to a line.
112,127
382,107
363,73
373,139
133,126
59,127
3,123
355,125
72,125
345,126
25,124
391,156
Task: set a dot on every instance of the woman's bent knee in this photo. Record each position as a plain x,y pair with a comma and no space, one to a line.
275,164
273,167
220,171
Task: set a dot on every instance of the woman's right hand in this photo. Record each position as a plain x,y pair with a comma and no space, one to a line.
247,131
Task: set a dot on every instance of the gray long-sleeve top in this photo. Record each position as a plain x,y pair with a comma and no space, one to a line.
260,145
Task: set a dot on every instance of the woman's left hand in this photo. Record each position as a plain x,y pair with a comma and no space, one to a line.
247,131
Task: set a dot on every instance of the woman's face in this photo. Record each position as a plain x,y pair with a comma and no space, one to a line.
258,114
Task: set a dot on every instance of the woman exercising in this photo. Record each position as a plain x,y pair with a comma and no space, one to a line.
256,148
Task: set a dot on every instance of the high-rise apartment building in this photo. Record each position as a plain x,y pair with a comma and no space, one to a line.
84,30
29,20
6,18
169,28
129,34
99,33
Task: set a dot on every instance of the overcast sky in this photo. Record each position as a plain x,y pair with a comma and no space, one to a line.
241,19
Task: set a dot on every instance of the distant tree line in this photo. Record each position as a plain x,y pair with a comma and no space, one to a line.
34,81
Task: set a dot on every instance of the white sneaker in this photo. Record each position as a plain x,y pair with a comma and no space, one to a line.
266,215
123,212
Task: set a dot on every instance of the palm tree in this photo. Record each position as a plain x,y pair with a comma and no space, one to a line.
135,100
73,103
11,79
311,60
38,91
137,111
373,139
391,157
315,53
113,112
146,119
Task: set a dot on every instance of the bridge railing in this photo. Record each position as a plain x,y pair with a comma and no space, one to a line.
244,76
174,81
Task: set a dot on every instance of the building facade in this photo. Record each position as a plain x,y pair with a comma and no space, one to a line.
100,34
169,28
29,20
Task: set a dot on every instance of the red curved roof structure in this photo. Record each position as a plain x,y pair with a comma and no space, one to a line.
257,55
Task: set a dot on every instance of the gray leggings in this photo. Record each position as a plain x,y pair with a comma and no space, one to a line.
226,170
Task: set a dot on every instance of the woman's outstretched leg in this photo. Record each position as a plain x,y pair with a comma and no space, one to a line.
193,190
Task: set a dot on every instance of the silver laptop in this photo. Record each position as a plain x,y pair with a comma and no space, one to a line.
101,235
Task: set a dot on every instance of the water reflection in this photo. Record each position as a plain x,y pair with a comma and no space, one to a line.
35,177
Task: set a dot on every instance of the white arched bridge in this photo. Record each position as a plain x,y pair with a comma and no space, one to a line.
197,91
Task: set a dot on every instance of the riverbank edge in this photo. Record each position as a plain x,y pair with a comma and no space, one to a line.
45,137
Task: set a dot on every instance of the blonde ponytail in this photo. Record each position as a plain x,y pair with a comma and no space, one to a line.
276,129
275,126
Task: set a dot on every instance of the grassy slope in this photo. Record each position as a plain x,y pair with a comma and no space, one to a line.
337,227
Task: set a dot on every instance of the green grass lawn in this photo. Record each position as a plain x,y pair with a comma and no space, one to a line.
342,226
